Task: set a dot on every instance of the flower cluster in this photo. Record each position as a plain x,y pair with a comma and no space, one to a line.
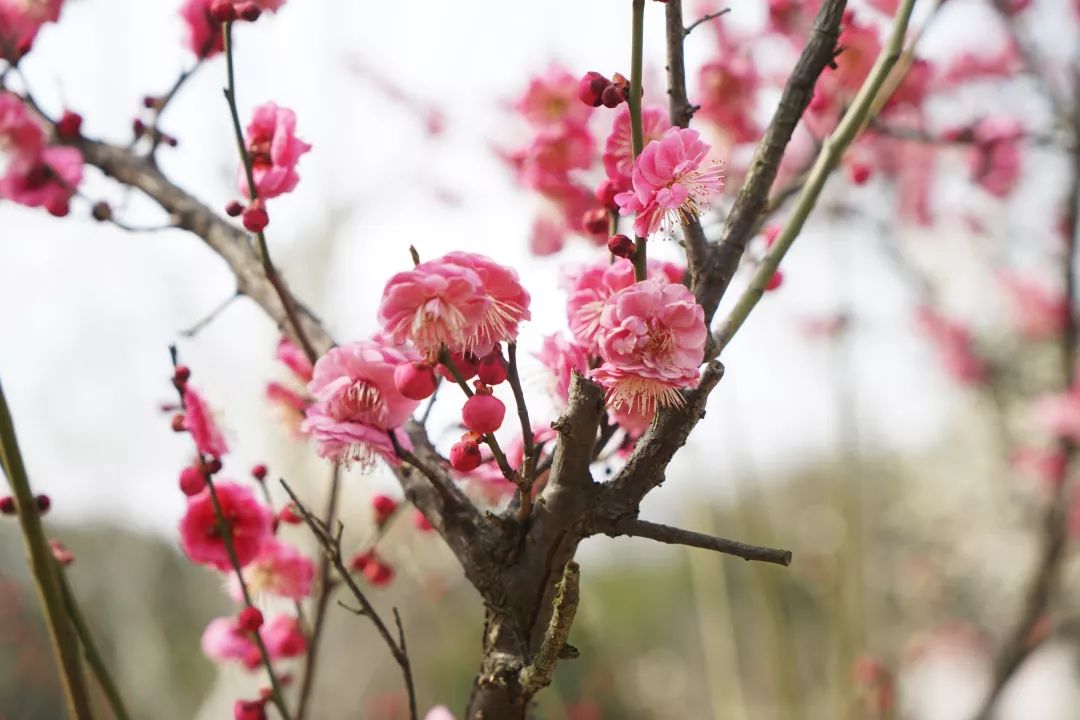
37,174
203,19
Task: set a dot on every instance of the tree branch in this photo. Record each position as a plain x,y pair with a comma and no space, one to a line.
43,567
634,527
538,673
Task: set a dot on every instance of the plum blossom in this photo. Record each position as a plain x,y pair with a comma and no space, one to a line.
249,524
20,21
278,569
225,640
439,712
508,301
729,87
47,179
274,150
1058,414
562,357
356,402
439,302
294,358
618,150
284,637
20,135
551,99
199,421
204,36
590,288
671,181
652,341
995,159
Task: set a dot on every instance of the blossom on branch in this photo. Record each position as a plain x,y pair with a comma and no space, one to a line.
249,524
274,151
279,569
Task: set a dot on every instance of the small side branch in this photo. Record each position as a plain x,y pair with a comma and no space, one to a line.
539,672
331,545
677,536
704,19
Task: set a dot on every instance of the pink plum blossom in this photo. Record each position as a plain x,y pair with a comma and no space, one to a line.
589,289
224,640
356,402
551,99
279,569
729,88
274,150
652,340
618,150
995,159
204,36
249,524
508,301
1058,414
20,21
672,181
20,135
284,637
47,179
199,421
294,358
545,164
562,357
437,303
547,236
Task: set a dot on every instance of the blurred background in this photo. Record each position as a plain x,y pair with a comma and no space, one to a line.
884,413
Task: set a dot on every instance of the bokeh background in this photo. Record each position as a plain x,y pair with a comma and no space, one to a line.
914,533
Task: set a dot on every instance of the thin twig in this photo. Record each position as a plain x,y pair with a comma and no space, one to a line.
43,567
537,674
210,316
331,545
704,19
253,194
677,536
93,655
832,150
528,463
326,587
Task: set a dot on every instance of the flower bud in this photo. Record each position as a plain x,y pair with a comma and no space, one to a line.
775,281
192,481
415,380
420,522
181,374
289,515
613,96
859,173
465,364
101,211
384,507
249,11
256,218
179,422
61,553
605,194
596,221
249,619
213,466
483,413
621,246
69,125
492,369
465,456
223,11
259,472
234,208
591,87
7,505
44,502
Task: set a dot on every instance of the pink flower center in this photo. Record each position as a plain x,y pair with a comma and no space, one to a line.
361,400
661,341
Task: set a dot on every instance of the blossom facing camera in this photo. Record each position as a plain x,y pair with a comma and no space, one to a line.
249,524
672,182
652,340
274,150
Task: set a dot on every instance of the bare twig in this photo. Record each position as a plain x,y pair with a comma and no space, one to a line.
704,19
539,672
326,588
677,536
43,567
331,544
528,463
210,316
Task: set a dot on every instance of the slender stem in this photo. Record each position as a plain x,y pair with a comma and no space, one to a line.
253,195
331,544
326,587
637,135
832,149
93,656
704,19
43,567
528,463
678,536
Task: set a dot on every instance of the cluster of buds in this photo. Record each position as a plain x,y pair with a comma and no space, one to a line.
41,502
223,11
374,569
595,90
254,215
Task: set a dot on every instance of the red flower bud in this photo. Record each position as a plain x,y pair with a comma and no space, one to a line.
596,221
249,619
420,522
179,422
212,467
605,194
775,281
415,380
290,515
384,507
378,573
621,246
223,11
492,369
613,96
465,456
44,502
7,505
859,173
234,208
69,125
256,218
591,87
483,413
181,374
249,11
192,481
465,364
